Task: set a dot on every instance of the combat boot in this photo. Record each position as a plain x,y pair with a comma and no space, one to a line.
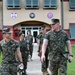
45,73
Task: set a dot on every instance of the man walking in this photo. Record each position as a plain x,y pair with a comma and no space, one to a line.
45,63
29,39
24,50
57,39
9,48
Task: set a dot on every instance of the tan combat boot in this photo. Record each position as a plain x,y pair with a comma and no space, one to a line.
45,73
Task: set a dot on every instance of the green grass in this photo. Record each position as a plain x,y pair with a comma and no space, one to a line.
0,58
71,66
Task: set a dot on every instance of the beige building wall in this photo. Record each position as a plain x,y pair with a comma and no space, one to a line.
69,16
23,14
0,15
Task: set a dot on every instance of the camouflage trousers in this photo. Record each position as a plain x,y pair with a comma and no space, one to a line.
9,69
45,63
60,64
25,58
31,51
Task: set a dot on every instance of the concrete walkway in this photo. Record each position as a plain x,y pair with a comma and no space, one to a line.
34,67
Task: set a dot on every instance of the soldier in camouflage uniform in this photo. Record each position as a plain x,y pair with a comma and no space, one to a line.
57,40
45,63
38,42
24,50
9,48
29,39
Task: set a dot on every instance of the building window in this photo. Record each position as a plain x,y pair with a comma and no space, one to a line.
50,3
72,4
13,4
31,3
72,31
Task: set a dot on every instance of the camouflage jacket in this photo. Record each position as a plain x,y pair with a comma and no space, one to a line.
56,42
41,37
29,39
8,50
23,47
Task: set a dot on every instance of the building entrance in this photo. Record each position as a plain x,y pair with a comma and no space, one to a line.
34,30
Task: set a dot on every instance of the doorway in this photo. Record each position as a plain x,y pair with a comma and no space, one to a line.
34,30
35,33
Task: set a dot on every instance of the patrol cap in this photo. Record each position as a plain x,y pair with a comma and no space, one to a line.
40,32
21,33
43,27
6,30
55,21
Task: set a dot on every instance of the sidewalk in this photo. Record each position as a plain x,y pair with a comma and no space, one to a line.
34,67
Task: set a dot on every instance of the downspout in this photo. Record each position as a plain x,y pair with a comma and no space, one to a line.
2,19
62,14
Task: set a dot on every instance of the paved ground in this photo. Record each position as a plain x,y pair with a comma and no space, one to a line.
34,67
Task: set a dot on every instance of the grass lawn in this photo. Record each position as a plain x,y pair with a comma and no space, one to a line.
0,58
71,66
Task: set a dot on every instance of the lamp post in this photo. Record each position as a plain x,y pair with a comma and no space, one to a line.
62,13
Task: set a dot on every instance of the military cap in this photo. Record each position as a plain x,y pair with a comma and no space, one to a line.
21,33
55,21
40,32
6,30
43,27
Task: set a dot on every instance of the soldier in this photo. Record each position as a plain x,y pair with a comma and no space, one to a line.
45,63
57,39
29,39
24,50
9,48
38,42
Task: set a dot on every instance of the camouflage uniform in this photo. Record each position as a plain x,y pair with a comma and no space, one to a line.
29,39
45,63
57,42
24,51
39,41
9,62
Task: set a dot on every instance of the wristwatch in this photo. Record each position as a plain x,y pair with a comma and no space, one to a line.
71,55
